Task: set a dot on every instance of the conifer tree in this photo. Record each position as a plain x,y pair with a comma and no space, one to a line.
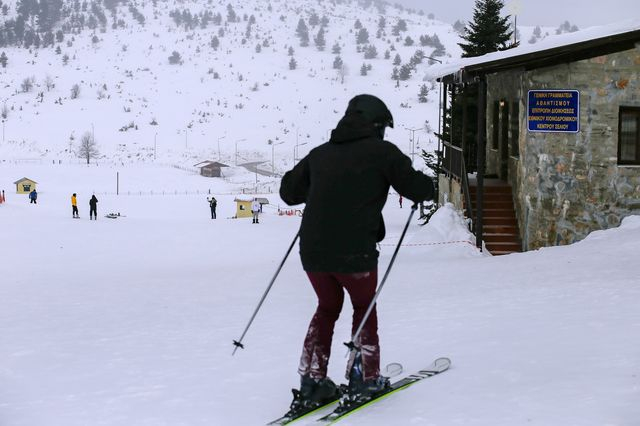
405,72
314,19
422,95
293,64
488,32
215,42
395,75
319,39
302,31
370,52
337,63
363,69
3,59
336,49
363,36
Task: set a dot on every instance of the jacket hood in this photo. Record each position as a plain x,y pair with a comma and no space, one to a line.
352,127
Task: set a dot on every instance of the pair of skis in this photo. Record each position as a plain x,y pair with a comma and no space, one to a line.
346,406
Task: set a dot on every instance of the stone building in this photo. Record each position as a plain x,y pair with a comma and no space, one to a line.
559,124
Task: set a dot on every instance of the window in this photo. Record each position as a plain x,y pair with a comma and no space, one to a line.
504,124
26,187
496,125
629,136
515,130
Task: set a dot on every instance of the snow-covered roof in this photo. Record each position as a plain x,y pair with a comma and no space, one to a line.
210,163
23,179
628,30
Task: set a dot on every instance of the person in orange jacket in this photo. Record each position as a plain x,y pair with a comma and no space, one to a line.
74,205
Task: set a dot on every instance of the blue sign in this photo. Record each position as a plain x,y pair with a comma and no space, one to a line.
553,111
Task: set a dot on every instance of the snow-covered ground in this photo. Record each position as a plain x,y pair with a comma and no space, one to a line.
130,321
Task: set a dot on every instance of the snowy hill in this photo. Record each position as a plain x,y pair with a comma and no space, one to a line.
237,93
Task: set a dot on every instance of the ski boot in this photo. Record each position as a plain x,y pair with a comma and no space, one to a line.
359,389
313,393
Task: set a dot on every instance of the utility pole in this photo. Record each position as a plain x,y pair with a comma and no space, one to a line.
220,137
3,120
412,141
273,167
296,153
239,140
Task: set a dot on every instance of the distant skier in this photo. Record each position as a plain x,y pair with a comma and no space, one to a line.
255,209
33,196
74,205
93,207
341,224
400,200
212,205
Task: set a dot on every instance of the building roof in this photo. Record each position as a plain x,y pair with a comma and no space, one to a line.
209,163
262,200
553,50
23,179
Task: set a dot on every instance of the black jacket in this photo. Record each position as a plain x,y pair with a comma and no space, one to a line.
344,184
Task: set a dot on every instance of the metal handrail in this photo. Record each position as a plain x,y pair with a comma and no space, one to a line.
462,175
467,195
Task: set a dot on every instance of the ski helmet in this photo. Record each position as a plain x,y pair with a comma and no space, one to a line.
372,109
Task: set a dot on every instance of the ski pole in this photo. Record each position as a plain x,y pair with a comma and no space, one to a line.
351,345
238,343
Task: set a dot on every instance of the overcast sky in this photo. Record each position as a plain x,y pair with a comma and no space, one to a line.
583,13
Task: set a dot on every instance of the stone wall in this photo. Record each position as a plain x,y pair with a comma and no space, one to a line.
450,191
567,185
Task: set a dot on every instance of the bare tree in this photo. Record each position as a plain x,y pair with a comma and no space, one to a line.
88,148
48,81
27,84
342,72
75,91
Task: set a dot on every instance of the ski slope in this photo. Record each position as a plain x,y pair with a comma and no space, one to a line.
130,321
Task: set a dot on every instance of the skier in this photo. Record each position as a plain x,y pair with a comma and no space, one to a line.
33,196
400,201
341,224
255,209
93,207
212,204
74,205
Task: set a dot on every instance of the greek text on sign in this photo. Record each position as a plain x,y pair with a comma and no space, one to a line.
553,111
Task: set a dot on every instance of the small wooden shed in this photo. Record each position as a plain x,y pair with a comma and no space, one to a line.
25,185
243,207
211,168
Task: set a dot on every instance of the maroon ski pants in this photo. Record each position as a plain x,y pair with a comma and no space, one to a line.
329,287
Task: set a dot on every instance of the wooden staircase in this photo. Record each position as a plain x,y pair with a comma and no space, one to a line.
500,225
